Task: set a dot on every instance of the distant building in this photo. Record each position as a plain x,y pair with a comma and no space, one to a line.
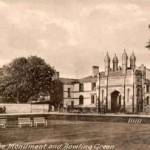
79,93
123,88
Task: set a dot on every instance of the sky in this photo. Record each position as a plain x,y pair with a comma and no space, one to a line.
74,35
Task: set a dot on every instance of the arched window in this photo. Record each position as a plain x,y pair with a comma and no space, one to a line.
139,93
119,100
81,100
128,95
102,96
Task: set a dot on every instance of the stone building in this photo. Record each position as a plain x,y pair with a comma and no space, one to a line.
121,88
79,92
124,88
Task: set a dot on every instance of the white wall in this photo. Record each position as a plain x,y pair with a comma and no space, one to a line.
68,86
66,91
87,86
76,87
75,93
39,108
25,108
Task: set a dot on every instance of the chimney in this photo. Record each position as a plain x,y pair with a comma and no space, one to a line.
95,71
56,75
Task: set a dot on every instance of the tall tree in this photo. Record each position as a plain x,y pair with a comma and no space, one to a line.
24,78
148,44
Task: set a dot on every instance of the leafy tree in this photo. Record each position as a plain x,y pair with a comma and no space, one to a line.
57,93
24,78
148,44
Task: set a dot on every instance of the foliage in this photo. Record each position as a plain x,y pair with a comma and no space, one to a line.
24,78
148,43
56,93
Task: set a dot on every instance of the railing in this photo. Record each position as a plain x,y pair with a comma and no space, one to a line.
147,109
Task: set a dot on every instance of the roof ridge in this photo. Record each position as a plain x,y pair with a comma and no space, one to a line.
68,78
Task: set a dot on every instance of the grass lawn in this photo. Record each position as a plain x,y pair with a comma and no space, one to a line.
59,132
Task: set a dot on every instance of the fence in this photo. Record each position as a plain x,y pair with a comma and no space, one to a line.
25,108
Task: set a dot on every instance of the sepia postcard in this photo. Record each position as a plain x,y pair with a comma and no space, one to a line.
74,74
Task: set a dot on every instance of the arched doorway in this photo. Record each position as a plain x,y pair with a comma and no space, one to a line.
115,101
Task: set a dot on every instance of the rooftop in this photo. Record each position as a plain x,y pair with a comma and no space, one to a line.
67,80
82,80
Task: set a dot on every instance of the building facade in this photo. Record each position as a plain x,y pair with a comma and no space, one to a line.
124,88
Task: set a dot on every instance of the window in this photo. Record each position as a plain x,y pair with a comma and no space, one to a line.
147,88
147,100
139,94
128,95
81,88
72,104
81,100
69,95
92,99
119,100
93,86
102,96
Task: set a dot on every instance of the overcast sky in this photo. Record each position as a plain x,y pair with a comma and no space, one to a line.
73,35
